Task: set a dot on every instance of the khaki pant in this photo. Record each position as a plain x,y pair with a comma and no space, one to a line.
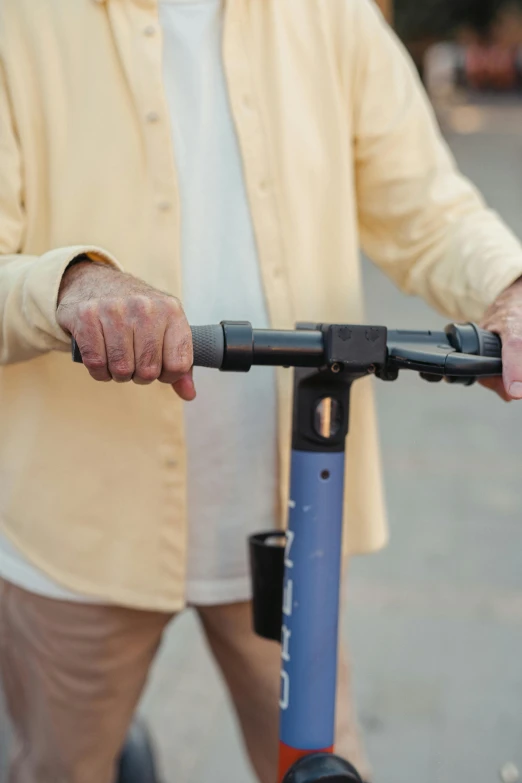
73,674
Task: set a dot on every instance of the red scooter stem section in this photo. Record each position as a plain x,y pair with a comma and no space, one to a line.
288,757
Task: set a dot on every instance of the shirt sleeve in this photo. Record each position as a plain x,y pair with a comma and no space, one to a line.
29,284
421,221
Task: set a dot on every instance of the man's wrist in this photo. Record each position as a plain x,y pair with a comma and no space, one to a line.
81,259
75,270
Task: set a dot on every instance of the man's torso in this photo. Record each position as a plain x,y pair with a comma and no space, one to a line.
99,168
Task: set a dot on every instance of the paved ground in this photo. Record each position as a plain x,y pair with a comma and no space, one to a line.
435,621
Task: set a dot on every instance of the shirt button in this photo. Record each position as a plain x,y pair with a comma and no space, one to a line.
172,463
150,30
152,116
263,187
247,102
164,206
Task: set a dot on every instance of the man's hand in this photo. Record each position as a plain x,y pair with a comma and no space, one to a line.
125,329
505,318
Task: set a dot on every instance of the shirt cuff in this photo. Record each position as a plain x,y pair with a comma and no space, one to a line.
43,284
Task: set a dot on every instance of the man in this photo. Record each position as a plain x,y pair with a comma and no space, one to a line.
230,156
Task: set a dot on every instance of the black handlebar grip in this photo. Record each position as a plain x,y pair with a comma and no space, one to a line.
470,339
490,344
209,346
76,355
208,343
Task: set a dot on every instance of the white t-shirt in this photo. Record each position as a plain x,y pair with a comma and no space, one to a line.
231,426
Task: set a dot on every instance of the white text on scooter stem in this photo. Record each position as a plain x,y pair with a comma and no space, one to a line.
286,633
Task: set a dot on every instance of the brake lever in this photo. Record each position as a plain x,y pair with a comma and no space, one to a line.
460,354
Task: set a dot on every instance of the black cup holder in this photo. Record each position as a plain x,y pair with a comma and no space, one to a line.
267,568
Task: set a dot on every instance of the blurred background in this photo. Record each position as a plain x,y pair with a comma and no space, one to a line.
485,22
435,621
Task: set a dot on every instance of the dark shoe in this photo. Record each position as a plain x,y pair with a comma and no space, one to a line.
137,759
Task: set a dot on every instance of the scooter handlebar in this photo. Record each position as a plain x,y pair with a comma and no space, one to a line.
460,351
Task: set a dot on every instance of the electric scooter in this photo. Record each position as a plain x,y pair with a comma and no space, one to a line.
296,573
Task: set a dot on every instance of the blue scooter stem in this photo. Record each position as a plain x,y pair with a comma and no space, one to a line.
311,606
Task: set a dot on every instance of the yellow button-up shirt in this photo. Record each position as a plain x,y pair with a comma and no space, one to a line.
340,148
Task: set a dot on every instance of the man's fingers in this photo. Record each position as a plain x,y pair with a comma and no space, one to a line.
496,385
512,364
148,352
177,351
91,343
178,357
509,386
119,344
185,388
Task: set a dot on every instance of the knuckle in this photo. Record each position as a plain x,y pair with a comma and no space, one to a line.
94,362
122,370
140,381
140,305
119,363
112,308
88,312
174,307
149,373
